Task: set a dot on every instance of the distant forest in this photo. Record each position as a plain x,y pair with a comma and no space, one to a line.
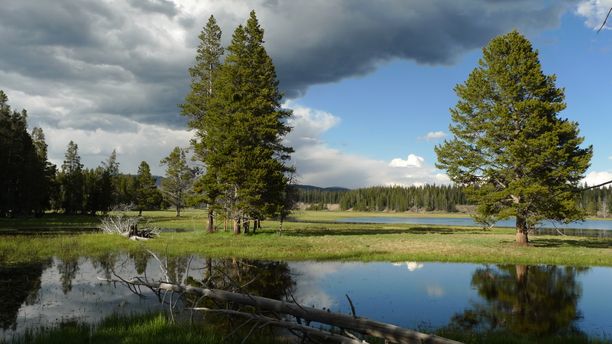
423,198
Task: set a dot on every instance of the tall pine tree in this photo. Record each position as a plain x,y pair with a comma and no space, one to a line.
511,149
203,74
239,137
71,180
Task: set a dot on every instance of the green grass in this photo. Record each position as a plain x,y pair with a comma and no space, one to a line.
321,241
149,328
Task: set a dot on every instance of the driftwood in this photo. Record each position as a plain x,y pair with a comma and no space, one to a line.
128,227
390,333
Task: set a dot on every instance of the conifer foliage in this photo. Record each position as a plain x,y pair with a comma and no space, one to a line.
25,174
177,185
511,150
239,126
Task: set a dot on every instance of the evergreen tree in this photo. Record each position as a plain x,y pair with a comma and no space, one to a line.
239,139
203,73
147,195
179,179
108,182
510,148
208,60
45,184
71,180
25,172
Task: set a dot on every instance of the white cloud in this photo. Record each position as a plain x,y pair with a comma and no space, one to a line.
308,124
595,177
594,12
435,135
411,266
411,161
319,164
146,142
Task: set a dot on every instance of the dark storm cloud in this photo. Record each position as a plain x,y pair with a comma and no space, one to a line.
161,6
115,58
324,41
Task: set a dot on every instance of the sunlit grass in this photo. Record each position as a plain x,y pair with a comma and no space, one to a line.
321,241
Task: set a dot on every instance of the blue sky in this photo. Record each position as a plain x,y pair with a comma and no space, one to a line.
388,113
370,82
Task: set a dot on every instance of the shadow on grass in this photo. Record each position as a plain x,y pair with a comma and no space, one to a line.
378,231
588,243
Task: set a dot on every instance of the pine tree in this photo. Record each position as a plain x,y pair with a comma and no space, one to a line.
179,179
208,60
25,172
71,180
242,131
147,195
45,184
203,74
516,156
108,182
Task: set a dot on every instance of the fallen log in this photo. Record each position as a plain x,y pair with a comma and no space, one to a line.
390,333
320,334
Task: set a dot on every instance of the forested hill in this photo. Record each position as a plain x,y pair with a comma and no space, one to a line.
317,195
391,198
427,197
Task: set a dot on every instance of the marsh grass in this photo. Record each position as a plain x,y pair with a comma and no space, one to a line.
148,328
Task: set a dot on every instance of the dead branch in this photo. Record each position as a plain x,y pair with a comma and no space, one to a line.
605,20
391,333
128,227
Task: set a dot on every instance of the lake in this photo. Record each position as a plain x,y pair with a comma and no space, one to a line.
538,300
468,221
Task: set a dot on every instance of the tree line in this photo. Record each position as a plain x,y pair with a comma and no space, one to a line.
594,202
31,185
388,198
26,176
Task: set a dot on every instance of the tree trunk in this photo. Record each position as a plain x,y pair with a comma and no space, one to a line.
236,226
225,225
521,231
178,211
210,228
389,332
521,273
246,224
139,212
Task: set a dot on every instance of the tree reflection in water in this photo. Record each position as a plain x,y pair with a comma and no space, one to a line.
18,285
534,301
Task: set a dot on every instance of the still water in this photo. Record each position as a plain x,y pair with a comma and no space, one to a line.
467,221
535,300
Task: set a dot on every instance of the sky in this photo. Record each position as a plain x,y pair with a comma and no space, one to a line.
370,83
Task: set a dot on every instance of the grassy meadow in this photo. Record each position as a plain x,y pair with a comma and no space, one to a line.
308,236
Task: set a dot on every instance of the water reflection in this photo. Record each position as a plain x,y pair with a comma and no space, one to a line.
528,300
18,285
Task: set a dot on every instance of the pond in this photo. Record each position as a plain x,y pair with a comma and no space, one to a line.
533,300
467,221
